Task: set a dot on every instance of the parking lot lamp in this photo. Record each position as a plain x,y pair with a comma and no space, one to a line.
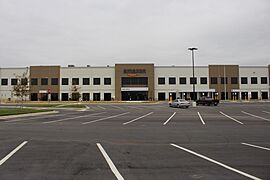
192,49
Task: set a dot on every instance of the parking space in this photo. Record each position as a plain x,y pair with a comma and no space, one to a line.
133,141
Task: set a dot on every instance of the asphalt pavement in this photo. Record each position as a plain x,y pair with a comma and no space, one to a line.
139,141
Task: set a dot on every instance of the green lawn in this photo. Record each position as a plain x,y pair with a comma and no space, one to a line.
6,112
72,106
44,105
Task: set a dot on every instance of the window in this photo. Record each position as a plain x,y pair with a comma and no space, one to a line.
172,80
244,80
96,81
134,81
263,80
64,81
161,80
54,81
86,81
183,80
24,81
213,80
234,80
14,81
203,80
254,80
44,81
193,80
4,82
34,81
107,81
75,81
222,80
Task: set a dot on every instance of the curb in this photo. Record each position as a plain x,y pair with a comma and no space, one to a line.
28,115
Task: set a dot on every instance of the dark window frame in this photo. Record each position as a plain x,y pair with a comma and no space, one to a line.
214,80
4,82
54,81
34,81
65,81
203,80
96,81
182,80
264,80
192,79
172,80
234,80
12,81
86,81
75,81
44,81
244,80
253,80
107,81
161,80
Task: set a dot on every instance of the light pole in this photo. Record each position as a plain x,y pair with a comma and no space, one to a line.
192,49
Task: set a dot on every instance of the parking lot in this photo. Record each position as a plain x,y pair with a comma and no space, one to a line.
139,141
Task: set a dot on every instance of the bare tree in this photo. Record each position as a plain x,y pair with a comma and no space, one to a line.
75,94
21,89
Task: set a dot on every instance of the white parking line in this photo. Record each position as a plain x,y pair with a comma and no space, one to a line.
201,118
266,112
12,153
110,163
38,117
101,107
137,118
116,107
252,145
70,118
105,118
216,162
255,116
169,119
231,117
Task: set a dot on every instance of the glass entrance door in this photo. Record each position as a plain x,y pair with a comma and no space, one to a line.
134,95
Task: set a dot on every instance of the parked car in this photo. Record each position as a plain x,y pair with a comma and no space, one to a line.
179,103
207,101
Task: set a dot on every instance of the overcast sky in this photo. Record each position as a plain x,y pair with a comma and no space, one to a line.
101,32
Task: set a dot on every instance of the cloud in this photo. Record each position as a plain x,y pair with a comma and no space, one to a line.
101,32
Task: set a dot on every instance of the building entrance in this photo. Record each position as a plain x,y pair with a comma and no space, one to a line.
134,95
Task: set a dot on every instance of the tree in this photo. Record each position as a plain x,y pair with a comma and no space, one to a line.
75,94
21,89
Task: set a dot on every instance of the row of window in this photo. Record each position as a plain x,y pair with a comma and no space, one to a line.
182,80
161,81
213,80
55,81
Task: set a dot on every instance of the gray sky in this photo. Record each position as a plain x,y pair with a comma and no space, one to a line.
101,32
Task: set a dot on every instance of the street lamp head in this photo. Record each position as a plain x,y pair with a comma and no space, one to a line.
192,48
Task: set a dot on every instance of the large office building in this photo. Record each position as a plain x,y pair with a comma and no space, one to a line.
138,82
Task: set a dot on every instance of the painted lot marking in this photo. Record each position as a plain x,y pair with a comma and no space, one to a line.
39,117
255,116
169,119
101,107
255,146
201,118
102,119
231,117
70,118
266,112
216,162
117,107
138,118
12,152
110,163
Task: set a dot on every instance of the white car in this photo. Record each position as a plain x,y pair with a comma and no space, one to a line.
179,103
